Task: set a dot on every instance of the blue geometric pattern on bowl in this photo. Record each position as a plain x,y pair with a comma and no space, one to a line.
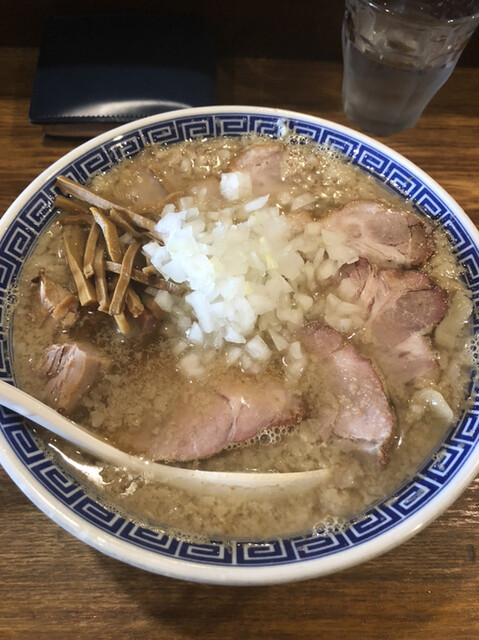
20,240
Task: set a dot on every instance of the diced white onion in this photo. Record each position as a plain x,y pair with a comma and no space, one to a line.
332,237
342,316
233,355
200,305
279,341
164,300
304,302
247,273
258,349
256,204
169,224
290,315
326,269
178,347
186,202
347,290
151,291
232,335
126,238
172,270
313,228
295,350
195,334
302,201
261,303
191,366
235,185
168,208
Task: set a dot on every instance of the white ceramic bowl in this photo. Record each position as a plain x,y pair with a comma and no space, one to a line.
384,526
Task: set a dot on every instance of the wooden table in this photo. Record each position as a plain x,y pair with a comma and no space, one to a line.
53,586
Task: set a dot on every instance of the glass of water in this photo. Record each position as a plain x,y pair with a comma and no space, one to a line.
397,54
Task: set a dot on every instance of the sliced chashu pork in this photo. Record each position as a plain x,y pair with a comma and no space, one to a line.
409,304
263,162
355,405
232,413
401,308
397,303
410,360
70,369
57,302
385,236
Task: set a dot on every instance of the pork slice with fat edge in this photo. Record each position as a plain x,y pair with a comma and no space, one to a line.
386,236
69,370
360,411
231,413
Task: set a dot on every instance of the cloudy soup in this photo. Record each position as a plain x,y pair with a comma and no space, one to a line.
245,305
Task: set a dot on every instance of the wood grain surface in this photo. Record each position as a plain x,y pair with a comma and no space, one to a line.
53,586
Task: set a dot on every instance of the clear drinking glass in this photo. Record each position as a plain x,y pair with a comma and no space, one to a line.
397,54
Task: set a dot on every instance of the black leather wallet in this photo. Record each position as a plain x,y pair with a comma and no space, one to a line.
97,71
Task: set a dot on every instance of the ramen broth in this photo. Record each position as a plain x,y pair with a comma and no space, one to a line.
147,381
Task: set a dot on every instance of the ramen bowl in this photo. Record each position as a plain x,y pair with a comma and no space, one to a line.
44,479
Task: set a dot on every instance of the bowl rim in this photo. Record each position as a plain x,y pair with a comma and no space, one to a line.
207,573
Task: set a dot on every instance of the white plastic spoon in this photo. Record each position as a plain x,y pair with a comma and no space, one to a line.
34,410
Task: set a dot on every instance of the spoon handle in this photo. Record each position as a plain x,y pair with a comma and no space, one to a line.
43,415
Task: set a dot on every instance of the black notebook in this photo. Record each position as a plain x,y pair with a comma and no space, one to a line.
97,71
